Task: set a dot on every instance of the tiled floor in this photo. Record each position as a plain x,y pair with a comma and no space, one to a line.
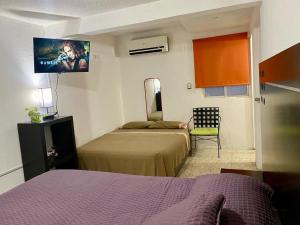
205,161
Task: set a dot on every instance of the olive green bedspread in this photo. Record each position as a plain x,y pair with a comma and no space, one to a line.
150,152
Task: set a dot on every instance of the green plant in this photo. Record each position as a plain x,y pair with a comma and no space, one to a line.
34,115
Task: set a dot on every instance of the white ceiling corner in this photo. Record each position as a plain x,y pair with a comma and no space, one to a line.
48,12
217,21
45,12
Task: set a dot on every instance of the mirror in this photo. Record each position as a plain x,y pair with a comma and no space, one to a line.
153,99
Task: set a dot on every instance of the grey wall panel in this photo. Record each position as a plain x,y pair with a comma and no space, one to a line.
280,118
281,129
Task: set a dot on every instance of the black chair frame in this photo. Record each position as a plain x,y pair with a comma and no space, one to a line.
205,117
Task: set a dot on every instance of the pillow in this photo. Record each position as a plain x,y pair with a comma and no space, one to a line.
248,201
165,125
183,125
137,125
194,210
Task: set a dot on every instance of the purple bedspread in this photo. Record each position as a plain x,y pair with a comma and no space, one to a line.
73,197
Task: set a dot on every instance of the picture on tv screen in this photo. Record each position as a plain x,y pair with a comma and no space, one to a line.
60,56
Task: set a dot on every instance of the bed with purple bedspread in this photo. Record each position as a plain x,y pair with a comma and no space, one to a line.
73,197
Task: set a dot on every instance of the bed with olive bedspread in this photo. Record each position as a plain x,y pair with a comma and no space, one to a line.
156,151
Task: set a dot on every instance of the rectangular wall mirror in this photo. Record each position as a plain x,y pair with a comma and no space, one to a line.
153,99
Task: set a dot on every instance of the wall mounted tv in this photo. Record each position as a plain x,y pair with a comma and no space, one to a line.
60,56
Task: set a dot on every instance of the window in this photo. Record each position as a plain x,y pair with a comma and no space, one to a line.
237,90
228,91
215,91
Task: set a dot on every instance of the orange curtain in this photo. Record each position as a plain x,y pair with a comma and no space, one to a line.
221,61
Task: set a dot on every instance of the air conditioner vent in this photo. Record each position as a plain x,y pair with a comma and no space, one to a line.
149,45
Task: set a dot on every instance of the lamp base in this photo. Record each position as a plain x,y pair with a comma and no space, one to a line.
49,117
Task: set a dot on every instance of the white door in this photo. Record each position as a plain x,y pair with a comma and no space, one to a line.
255,59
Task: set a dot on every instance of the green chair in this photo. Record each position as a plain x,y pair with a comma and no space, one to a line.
206,126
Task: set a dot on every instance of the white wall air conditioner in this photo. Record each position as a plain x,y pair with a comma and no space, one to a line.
148,45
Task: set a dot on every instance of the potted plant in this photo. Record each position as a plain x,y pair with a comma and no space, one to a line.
34,115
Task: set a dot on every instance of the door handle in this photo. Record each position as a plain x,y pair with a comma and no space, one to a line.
263,100
257,99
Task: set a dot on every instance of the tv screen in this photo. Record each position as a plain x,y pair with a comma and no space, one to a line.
60,56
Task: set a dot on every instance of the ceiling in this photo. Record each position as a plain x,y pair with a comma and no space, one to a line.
222,20
45,12
201,24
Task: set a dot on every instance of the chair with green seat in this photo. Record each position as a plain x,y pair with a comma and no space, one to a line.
206,126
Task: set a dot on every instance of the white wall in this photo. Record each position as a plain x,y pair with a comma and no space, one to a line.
279,26
16,88
175,69
94,98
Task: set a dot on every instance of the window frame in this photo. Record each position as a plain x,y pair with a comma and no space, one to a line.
247,95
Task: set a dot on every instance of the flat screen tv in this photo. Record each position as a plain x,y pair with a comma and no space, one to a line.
60,56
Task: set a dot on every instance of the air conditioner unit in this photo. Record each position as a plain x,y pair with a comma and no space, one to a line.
149,45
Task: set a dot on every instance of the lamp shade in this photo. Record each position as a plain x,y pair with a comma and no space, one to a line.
44,96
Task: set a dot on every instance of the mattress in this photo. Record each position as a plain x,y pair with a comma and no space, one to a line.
149,152
74,197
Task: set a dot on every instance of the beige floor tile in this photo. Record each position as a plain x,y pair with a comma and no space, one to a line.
211,156
205,161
